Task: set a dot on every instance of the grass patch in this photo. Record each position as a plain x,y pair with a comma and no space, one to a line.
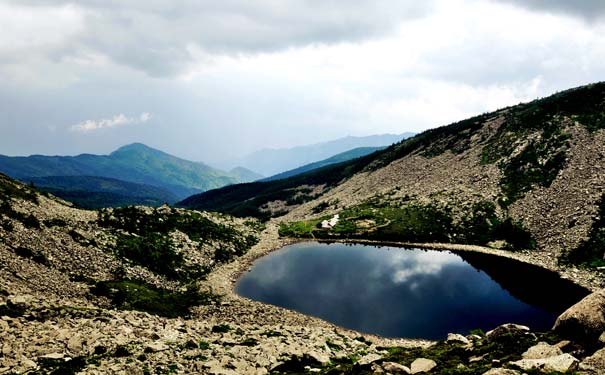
141,296
415,222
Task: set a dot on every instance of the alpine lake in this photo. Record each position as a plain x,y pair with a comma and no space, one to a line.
411,293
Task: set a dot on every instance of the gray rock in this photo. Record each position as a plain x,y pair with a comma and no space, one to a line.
501,371
595,364
542,350
584,321
562,363
422,365
395,368
368,358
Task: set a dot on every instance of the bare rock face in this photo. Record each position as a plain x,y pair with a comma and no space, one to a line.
421,365
584,321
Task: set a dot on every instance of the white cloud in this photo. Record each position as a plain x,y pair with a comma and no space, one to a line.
115,121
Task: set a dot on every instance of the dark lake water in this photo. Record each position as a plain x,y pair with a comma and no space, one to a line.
396,292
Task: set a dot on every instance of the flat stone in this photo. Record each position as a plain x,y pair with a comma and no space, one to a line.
396,368
157,347
422,365
53,356
501,371
368,358
542,350
562,363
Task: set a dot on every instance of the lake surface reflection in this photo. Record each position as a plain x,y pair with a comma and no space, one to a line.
397,292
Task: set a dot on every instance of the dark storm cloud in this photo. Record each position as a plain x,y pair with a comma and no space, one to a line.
163,37
587,9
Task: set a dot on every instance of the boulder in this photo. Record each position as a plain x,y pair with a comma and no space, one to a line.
595,364
422,365
455,337
585,321
542,350
368,358
501,371
561,363
504,329
395,368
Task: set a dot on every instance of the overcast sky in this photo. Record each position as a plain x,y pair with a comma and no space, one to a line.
208,80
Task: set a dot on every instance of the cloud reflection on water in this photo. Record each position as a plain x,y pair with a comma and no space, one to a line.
388,291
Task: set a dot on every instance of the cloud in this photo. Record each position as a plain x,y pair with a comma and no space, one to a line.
115,121
590,10
163,39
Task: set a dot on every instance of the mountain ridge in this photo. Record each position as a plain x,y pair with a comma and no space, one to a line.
273,161
134,163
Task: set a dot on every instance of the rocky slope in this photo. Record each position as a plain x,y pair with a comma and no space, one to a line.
77,297
534,172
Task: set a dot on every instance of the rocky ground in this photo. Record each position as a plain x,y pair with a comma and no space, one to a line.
52,255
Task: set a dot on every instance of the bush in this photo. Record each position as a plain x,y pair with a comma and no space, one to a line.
139,295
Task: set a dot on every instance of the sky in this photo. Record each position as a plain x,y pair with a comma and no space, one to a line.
215,80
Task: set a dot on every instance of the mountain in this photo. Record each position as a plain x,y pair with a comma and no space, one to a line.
95,192
530,176
339,158
244,174
135,163
273,161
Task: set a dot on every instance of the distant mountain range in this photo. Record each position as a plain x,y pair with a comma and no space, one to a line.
133,171
339,158
269,162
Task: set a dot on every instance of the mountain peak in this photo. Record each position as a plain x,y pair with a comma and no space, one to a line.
134,147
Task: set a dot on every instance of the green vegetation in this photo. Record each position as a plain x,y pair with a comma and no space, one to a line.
134,163
451,358
9,190
591,253
141,296
540,158
144,238
93,192
221,328
147,239
414,222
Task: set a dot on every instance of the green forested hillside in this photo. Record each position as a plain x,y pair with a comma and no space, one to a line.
135,163
96,192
